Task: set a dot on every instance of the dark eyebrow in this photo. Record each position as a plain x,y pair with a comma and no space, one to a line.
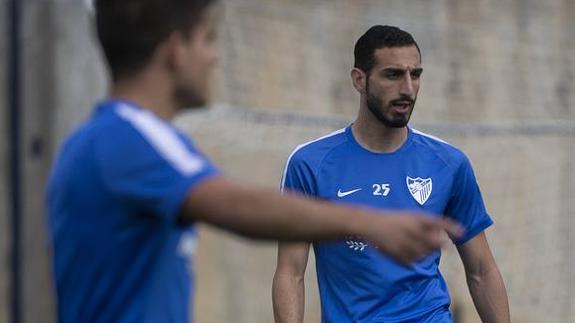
393,70
401,70
397,71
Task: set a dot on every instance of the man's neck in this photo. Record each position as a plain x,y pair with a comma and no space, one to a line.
374,136
146,91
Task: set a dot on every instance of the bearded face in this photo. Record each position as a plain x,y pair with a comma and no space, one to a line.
392,85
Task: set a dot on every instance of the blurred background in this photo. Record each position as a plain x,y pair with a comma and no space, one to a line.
499,83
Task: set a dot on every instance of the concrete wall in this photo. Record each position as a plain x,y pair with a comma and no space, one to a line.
498,82
485,61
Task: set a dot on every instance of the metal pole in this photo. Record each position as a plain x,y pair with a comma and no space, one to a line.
14,131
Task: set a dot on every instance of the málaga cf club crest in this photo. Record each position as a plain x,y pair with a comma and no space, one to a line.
419,188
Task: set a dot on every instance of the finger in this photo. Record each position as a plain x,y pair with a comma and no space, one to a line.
443,230
402,250
453,229
407,256
432,224
430,241
428,231
421,251
443,238
424,243
438,237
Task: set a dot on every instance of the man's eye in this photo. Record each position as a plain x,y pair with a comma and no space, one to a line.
392,75
416,74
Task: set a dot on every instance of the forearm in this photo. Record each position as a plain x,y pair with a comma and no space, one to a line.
288,295
266,214
489,296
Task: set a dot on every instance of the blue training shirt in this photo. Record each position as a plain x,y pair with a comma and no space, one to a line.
357,283
113,199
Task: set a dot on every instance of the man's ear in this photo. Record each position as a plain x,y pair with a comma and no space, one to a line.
171,51
359,79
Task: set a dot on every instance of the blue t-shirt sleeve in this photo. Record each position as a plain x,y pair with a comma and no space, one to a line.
298,176
151,171
466,204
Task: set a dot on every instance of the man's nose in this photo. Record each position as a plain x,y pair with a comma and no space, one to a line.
407,85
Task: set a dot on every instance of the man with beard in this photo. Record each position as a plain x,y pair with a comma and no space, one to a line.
380,162
127,187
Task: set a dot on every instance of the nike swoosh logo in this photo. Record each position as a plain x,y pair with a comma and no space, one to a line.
342,194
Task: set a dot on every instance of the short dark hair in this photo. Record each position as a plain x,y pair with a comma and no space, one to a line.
129,31
378,37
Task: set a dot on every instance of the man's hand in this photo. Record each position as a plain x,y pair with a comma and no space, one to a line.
408,237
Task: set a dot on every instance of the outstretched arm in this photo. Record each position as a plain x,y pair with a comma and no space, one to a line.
267,214
484,280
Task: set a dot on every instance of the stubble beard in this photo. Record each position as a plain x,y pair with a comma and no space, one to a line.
376,106
190,98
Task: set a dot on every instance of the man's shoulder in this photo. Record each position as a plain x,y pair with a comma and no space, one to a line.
124,123
123,131
105,115
446,151
313,151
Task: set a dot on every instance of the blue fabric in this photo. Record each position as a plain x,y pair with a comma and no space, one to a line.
357,283
113,199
